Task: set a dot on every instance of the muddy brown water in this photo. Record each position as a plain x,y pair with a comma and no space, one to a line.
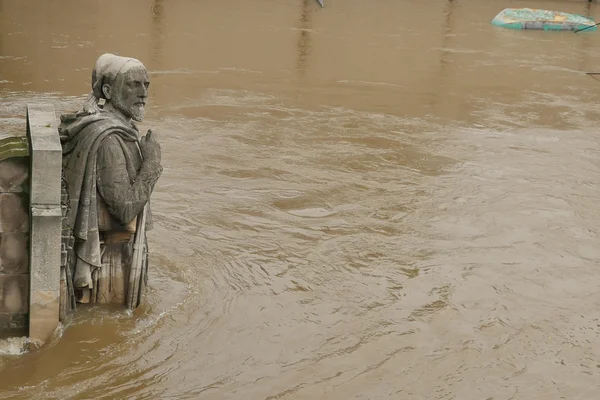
373,200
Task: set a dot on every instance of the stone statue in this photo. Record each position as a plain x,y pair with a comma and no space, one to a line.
109,173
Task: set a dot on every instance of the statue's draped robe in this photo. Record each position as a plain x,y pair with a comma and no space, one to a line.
104,170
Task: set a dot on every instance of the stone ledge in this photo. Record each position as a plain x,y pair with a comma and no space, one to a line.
38,210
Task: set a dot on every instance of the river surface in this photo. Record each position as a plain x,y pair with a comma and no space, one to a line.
371,200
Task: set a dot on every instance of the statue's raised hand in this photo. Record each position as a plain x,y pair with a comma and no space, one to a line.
150,148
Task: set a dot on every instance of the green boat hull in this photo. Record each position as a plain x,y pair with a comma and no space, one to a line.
529,18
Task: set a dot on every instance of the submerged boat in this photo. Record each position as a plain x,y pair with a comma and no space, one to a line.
531,18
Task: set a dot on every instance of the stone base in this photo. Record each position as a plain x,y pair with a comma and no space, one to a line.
43,314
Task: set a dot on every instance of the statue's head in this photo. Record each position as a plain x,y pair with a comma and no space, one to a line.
120,84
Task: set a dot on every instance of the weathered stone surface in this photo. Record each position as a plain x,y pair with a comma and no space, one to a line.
14,293
13,213
13,174
14,258
46,154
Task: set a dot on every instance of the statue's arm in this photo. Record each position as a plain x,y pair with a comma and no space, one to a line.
125,200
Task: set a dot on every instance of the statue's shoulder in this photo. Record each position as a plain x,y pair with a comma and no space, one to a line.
113,149
111,142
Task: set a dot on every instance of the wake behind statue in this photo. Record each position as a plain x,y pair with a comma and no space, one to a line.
109,173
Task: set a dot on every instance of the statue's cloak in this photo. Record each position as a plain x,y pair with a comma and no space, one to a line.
81,136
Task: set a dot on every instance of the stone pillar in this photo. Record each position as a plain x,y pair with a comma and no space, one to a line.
46,221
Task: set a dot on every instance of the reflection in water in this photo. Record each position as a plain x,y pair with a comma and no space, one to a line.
443,75
585,42
588,9
357,244
157,33
445,54
447,33
303,45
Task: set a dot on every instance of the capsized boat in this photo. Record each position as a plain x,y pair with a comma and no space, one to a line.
531,18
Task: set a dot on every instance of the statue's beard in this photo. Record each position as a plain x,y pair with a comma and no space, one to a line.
135,111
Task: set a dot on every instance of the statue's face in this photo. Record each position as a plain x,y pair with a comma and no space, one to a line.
129,93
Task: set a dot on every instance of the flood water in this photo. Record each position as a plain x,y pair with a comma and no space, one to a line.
371,200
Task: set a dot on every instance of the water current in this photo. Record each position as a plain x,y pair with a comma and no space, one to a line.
370,200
